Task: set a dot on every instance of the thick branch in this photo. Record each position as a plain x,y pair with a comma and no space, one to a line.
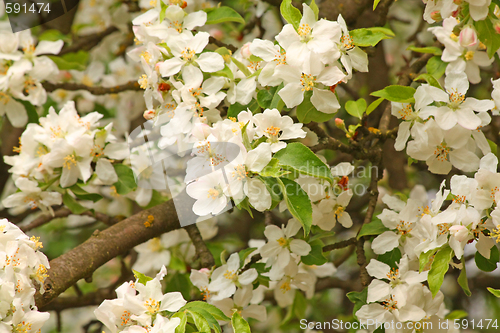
131,85
88,42
202,251
340,245
103,246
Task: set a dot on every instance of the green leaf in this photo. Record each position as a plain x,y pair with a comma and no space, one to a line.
487,265
356,108
365,37
457,314
277,102
225,72
126,180
298,308
301,159
243,254
439,268
239,324
429,79
462,279
375,4
223,14
375,227
241,66
213,310
391,258
274,188
200,322
54,35
425,258
358,298
374,105
298,203
488,35
179,282
430,49
307,112
315,257
182,326
71,60
236,108
163,8
273,169
244,204
291,14
495,292
436,67
141,278
314,8
80,193
30,110
265,97
73,205
400,94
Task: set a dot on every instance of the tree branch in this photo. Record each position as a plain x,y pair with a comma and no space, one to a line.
131,85
202,251
103,246
87,42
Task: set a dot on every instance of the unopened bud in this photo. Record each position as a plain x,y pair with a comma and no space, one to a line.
497,27
340,124
149,114
217,34
245,51
468,37
164,87
459,232
436,16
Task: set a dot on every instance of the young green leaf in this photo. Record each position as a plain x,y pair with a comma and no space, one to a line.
373,105
356,108
439,268
487,265
307,112
239,324
291,14
299,158
375,227
400,94
223,14
436,67
126,179
298,202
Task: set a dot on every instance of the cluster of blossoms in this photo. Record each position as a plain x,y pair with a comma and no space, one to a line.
444,126
22,70
22,268
141,307
418,228
436,10
60,151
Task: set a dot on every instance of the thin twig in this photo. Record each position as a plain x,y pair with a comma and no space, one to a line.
202,251
131,85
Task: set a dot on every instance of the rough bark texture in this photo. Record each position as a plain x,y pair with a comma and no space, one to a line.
103,246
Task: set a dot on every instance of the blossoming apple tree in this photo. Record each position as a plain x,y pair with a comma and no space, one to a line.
282,161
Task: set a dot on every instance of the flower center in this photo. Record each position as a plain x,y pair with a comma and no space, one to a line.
22,327
283,242
443,228
273,132
240,172
405,112
339,211
230,275
69,161
152,305
125,317
30,202
307,81
143,81
469,55
280,58
304,30
187,54
403,227
456,98
442,152
347,42
155,245
177,26
213,193
195,92
146,56
389,304
41,273
285,286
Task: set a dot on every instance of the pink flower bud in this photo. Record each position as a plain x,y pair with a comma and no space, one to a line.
497,27
149,114
468,37
339,123
245,51
201,131
217,34
460,232
436,16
